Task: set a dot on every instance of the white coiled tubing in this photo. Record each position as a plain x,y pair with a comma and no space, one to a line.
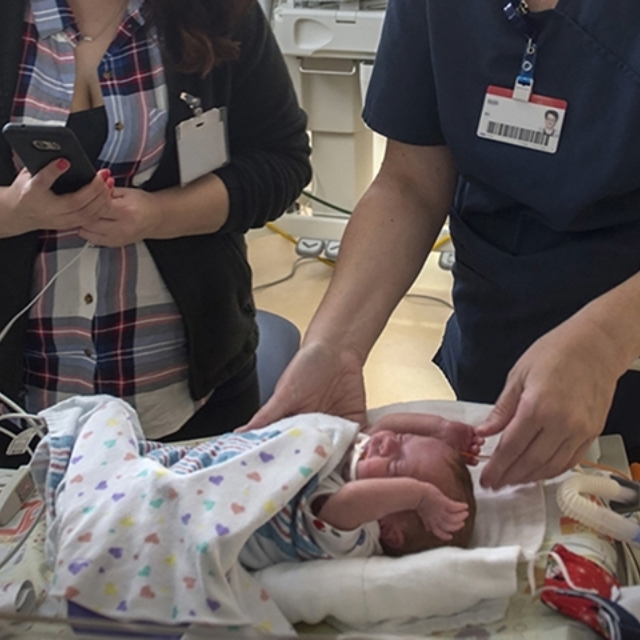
573,499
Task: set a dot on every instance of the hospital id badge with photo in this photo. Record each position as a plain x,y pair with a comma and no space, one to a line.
535,123
203,144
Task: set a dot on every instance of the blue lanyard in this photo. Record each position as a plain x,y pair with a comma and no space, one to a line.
518,17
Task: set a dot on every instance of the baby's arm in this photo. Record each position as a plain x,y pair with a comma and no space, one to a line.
460,436
371,499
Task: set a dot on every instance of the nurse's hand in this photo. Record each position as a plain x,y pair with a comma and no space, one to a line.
319,378
28,204
554,404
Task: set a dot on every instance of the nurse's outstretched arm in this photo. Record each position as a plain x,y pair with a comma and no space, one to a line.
557,396
386,242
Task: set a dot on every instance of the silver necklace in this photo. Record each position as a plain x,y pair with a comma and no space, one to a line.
85,38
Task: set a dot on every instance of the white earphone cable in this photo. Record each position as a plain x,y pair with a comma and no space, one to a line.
35,422
37,297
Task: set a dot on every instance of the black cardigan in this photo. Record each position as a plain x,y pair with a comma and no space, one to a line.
208,275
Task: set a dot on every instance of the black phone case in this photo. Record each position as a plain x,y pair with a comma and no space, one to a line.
38,145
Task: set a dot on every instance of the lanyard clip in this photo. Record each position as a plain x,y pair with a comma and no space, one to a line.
195,104
520,19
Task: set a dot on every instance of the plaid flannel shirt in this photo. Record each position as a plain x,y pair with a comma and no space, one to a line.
108,323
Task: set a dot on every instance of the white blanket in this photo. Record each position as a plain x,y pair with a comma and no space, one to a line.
446,588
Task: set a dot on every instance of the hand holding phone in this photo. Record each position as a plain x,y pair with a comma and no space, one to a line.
38,145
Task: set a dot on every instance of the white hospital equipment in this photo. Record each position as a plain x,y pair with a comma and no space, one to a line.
329,48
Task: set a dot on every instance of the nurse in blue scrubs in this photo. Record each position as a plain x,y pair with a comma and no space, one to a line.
546,228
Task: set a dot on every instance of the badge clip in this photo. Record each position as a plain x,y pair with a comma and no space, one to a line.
522,89
195,104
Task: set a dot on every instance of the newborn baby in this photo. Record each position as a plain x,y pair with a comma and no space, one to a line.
403,487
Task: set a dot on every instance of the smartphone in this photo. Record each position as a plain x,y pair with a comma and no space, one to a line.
38,145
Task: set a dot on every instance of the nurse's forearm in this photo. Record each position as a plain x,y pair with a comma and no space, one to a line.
614,318
200,207
385,245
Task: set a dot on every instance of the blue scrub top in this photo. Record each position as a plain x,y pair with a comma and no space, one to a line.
537,235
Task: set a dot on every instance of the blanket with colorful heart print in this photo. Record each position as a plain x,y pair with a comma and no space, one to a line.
149,532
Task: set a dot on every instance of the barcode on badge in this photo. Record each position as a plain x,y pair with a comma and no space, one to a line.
503,130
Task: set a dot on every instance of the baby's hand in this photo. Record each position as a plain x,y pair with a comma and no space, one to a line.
439,514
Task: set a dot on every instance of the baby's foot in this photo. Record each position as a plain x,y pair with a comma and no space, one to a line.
463,438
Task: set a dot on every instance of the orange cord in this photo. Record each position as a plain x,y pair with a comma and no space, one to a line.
602,467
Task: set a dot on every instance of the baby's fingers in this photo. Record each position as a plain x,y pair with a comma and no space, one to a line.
457,507
446,528
455,522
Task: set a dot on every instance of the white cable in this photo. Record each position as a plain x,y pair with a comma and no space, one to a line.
11,404
13,320
36,422
13,416
6,432
294,268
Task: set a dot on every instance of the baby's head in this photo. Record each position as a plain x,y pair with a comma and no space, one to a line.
389,454
416,538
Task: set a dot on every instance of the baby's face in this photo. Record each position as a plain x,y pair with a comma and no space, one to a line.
395,455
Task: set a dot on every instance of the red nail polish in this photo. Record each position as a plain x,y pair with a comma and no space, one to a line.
63,164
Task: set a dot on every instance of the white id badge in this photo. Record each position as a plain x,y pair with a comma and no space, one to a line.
202,144
534,124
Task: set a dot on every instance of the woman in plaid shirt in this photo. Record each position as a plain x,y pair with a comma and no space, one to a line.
157,307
